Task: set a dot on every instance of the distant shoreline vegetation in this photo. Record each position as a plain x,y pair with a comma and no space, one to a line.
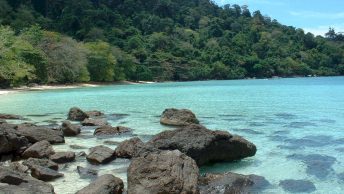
65,41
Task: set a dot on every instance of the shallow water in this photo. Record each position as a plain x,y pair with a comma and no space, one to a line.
297,124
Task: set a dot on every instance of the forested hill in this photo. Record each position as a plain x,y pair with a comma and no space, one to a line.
61,41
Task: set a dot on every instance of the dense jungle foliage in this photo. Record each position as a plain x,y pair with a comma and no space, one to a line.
67,41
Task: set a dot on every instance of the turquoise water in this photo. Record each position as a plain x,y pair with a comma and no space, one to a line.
297,124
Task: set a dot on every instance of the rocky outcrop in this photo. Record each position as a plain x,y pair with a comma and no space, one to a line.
129,148
204,145
94,122
32,162
10,117
231,183
10,142
44,174
69,129
87,173
76,114
178,117
42,149
100,155
164,172
39,133
106,184
63,157
109,130
19,183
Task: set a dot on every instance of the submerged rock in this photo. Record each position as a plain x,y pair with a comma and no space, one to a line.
164,172
39,133
109,130
106,184
42,149
63,157
69,129
204,145
10,117
44,174
297,186
176,117
231,183
129,148
20,183
94,114
94,122
77,147
100,155
31,162
76,114
87,173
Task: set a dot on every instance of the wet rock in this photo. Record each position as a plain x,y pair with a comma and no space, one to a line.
10,117
94,114
94,122
204,145
297,186
100,155
2,121
87,173
76,114
77,147
10,142
69,129
232,183
318,165
31,162
42,149
44,174
18,167
63,157
112,142
39,133
176,117
108,130
129,148
164,172
20,183
81,154
106,184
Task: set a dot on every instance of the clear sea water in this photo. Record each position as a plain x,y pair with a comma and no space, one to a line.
297,124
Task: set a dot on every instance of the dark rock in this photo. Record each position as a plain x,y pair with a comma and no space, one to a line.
204,145
87,173
39,133
10,142
77,147
76,114
20,183
18,167
10,117
94,122
112,142
94,114
164,172
44,174
176,117
100,155
41,149
319,166
106,184
69,129
63,157
297,186
232,183
129,148
31,162
108,130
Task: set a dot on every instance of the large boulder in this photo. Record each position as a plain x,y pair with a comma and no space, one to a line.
164,172
69,129
44,174
129,148
204,145
106,184
76,114
39,133
10,142
63,157
100,155
32,162
109,130
10,117
19,183
232,183
94,122
42,149
178,117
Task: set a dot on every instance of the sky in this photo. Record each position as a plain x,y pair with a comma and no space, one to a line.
314,16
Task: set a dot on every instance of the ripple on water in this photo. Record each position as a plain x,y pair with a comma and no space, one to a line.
297,186
300,124
286,116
